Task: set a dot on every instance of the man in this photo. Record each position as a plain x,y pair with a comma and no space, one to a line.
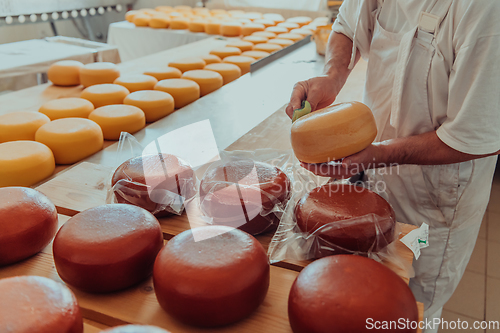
432,83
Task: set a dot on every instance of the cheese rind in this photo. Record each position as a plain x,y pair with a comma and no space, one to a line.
25,163
230,29
291,36
243,62
241,44
98,73
288,25
197,26
267,47
229,72
281,42
223,52
65,73
159,22
256,39
277,30
137,82
300,20
67,108
266,34
105,94
213,28
207,80
250,28
114,119
179,24
182,90
211,59
163,73
155,104
188,64
255,54
21,125
71,139
141,20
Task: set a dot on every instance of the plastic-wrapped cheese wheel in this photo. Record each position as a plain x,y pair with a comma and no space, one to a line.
288,25
141,20
256,39
159,22
154,103
266,34
290,36
105,94
21,125
241,44
67,108
255,54
360,220
338,293
197,26
38,304
277,30
135,329
267,47
137,82
163,73
243,62
98,73
114,119
207,80
281,42
188,64
213,27
250,28
229,72
230,29
107,248
189,283
25,163
223,52
211,59
28,222
71,139
179,23
182,90
65,73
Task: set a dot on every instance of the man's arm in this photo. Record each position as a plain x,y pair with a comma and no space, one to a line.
321,91
422,149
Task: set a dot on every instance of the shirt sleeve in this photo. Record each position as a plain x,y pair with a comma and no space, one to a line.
356,21
472,125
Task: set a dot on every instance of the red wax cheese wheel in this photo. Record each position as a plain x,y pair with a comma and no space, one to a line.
135,329
107,248
65,73
242,194
334,205
211,276
337,294
142,180
37,304
28,222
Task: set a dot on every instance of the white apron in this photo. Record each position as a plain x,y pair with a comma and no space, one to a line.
445,197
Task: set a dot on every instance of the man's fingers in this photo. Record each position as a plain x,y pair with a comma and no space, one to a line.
299,94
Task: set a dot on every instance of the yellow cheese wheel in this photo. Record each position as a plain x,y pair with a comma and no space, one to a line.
211,59
163,73
333,132
105,94
241,44
207,80
277,18
159,22
236,12
182,90
300,20
154,103
21,125
129,16
290,36
265,22
288,25
256,39
197,26
266,34
243,62
217,11
255,54
136,82
164,9
114,119
229,72
267,47
253,15
65,73
98,73
302,31
71,139
213,27
188,64
141,20
179,24
250,28
147,11
277,30
223,52
244,20
67,108
182,8
230,29
280,41
25,163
